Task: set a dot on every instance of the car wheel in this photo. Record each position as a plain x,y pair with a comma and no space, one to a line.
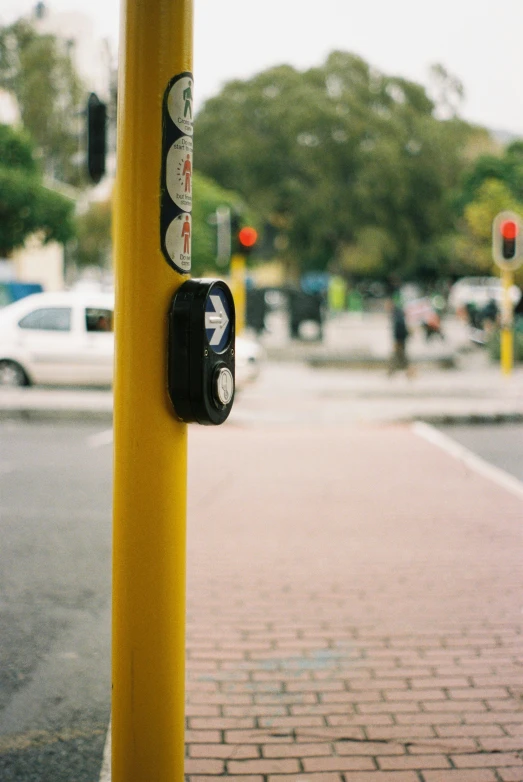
12,374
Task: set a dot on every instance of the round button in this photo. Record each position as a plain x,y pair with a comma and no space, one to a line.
224,385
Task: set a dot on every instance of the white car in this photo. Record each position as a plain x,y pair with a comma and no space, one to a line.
58,339
479,291
67,339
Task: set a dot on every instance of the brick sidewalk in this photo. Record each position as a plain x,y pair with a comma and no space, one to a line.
354,611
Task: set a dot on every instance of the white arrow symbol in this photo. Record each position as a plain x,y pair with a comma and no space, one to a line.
217,320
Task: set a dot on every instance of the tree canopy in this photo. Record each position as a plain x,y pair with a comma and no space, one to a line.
93,235
506,168
491,185
37,69
26,206
350,167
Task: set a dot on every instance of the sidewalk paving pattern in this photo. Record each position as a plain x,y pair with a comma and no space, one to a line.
354,611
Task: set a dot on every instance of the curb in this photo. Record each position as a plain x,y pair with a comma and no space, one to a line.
55,414
471,418
106,416
377,362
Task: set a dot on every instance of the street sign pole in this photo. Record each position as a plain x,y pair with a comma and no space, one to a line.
152,252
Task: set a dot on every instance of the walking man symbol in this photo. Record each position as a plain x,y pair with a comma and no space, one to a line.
187,96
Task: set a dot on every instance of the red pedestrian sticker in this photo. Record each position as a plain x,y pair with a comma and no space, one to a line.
178,242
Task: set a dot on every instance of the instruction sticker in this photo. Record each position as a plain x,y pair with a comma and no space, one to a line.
176,177
179,173
178,242
180,102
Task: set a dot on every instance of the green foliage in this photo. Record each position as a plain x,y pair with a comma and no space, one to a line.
335,156
494,345
38,70
26,206
506,168
93,233
17,150
473,246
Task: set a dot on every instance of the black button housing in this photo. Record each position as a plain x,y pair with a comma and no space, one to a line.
202,329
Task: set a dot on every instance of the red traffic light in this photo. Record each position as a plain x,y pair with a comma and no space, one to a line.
247,236
507,240
509,230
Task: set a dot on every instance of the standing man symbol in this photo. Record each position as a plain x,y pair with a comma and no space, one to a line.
186,172
186,233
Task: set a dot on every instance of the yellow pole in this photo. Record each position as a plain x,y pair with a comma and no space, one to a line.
507,336
150,450
238,289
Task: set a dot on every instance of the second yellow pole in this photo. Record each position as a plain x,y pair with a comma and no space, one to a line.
238,286
507,336
150,450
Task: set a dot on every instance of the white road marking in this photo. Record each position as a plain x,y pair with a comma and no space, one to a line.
470,459
100,438
105,773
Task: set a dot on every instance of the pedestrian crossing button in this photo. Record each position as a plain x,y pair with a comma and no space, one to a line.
223,385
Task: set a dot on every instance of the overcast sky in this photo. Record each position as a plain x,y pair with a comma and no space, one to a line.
479,41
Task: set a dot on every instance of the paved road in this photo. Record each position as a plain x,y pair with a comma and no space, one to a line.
55,496
501,445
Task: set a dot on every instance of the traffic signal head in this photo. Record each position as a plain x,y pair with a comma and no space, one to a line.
246,239
507,240
96,137
509,234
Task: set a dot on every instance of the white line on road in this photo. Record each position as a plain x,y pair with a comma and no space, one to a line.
470,459
100,438
105,773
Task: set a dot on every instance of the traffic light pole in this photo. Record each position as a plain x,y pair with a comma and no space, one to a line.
238,285
507,317
150,449
507,252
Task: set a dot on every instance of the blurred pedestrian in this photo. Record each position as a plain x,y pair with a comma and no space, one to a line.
400,335
490,316
431,325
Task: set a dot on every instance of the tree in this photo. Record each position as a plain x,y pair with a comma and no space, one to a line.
38,71
337,155
446,90
93,234
491,184
474,245
26,206
506,167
